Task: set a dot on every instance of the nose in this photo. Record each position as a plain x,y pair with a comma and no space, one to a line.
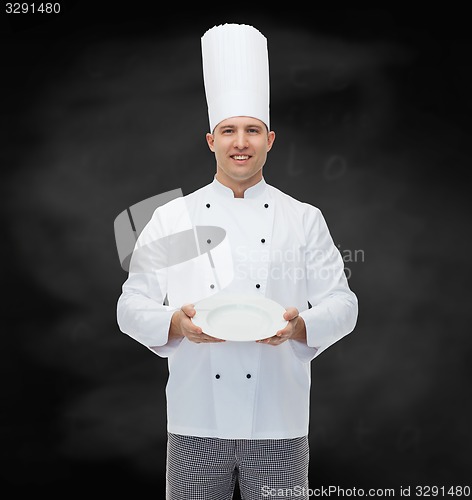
240,140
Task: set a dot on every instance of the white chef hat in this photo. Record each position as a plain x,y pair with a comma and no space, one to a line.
235,73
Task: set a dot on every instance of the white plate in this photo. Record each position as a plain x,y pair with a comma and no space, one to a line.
239,317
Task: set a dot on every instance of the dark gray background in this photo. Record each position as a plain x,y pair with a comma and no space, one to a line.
104,107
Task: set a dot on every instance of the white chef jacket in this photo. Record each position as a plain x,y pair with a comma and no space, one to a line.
281,248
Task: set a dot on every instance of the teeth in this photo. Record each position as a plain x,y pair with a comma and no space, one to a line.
240,157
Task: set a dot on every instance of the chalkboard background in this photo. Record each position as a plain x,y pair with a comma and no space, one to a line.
104,106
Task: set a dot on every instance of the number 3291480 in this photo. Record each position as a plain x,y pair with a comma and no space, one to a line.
31,8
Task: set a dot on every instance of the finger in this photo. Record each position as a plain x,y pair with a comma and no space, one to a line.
203,338
287,331
283,332
195,330
275,340
264,341
188,310
197,334
291,313
189,327
213,339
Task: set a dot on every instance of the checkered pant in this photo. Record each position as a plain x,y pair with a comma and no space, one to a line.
201,468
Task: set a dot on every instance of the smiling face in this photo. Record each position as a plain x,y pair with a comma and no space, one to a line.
240,144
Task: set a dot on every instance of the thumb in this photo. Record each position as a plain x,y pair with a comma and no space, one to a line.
189,310
290,313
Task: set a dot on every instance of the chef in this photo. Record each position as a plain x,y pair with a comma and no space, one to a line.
237,411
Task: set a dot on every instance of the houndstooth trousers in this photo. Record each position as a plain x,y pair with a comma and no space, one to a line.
202,468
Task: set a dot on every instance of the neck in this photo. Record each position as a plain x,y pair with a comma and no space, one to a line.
238,186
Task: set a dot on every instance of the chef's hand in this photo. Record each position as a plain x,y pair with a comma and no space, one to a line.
182,326
295,329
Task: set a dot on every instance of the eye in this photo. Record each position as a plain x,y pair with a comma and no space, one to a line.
253,130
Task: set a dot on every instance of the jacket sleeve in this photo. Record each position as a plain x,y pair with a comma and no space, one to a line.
141,312
334,306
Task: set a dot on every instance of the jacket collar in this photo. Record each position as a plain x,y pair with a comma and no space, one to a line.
253,192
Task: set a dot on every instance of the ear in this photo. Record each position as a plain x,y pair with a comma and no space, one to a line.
270,140
210,141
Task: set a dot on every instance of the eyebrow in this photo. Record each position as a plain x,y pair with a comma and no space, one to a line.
229,126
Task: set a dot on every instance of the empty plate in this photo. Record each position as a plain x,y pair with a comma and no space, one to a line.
239,317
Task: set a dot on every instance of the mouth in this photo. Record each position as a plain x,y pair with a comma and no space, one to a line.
240,157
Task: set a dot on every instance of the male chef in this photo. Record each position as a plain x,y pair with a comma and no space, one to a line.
237,411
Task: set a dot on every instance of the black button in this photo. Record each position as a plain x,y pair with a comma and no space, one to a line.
208,241
217,375
212,286
263,240
258,286
266,205
208,205
248,375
